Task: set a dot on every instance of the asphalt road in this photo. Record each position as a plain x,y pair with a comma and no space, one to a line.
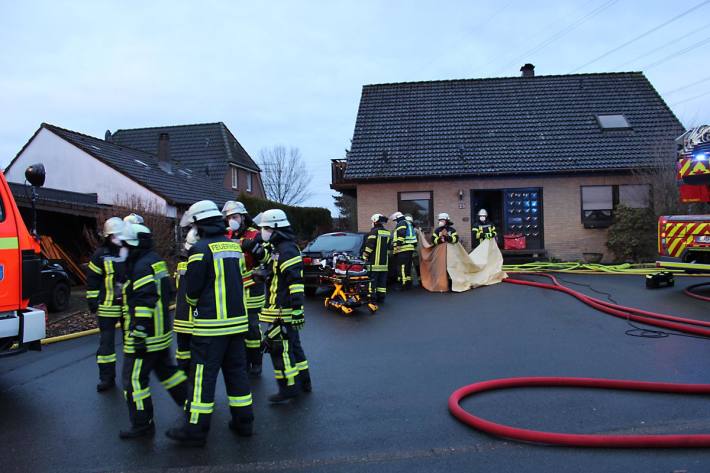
380,389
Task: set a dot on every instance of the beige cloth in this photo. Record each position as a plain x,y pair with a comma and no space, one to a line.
482,267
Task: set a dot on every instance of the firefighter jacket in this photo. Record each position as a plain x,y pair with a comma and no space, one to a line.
484,231
216,283
376,248
405,238
183,310
104,280
451,237
146,296
284,284
252,258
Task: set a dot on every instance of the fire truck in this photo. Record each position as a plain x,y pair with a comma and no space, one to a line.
684,240
21,327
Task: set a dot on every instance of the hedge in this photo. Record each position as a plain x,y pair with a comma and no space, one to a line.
307,222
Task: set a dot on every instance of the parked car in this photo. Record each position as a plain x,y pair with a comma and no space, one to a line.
55,288
321,250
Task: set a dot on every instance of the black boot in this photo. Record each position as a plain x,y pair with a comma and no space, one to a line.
255,371
242,428
305,377
138,431
187,436
105,385
285,393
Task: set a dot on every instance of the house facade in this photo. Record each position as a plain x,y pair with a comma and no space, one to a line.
549,157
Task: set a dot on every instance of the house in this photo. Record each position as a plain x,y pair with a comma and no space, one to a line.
549,157
193,166
208,148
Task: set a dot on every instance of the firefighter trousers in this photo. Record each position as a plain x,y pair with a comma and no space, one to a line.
287,354
106,353
403,263
136,379
183,351
253,339
378,286
209,356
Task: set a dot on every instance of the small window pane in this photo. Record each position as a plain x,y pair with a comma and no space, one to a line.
235,178
613,121
419,206
635,196
414,195
250,176
597,198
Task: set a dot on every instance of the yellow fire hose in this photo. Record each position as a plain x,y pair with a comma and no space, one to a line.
589,268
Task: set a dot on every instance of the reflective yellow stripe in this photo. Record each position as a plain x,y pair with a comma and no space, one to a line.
196,257
135,382
288,263
143,312
9,243
295,288
302,365
95,268
240,401
143,281
108,281
92,294
101,359
174,380
183,355
197,395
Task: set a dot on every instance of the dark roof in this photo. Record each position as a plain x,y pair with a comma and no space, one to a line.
73,203
178,187
195,147
504,126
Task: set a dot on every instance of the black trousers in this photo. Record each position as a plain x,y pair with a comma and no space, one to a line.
378,286
253,339
210,355
136,379
403,262
183,350
106,353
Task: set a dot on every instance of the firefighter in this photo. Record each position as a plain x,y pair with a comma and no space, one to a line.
484,228
215,289
376,255
183,310
133,218
242,228
403,243
445,232
147,332
283,309
104,278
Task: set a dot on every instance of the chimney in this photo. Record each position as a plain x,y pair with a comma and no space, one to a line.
164,153
528,70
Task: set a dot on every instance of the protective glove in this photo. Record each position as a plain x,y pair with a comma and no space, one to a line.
249,245
297,318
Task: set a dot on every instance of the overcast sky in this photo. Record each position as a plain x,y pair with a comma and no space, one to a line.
290,72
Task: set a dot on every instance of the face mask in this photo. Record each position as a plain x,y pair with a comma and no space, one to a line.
266,234
442,223
234,224
482,219
123,252
116,241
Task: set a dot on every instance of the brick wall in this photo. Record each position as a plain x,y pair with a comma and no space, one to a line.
565,236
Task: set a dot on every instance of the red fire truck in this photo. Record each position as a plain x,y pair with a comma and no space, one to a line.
684,240
21,327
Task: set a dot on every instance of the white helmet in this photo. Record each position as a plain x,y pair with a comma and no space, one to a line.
378,218
409,218
131,233
199,211
191,238
396,215
232,207
274,218
443,216
112,226
482,213
133,218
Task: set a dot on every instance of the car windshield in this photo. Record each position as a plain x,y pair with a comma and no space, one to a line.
337,242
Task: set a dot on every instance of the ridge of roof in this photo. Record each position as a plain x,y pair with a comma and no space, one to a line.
166,126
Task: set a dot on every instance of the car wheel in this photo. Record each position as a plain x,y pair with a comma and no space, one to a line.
311,291
60,297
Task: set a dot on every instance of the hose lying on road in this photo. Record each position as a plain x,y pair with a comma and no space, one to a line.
690,326
625,268
690,291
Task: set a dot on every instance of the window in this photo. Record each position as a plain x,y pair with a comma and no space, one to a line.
613,122
599,202
235,178
250,177
419,206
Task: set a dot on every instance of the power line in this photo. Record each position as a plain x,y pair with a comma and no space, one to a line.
687,86
568,29
677,53
642,35
691,98
664,46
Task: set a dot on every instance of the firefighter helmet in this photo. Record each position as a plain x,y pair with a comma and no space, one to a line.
232,207
378,218
274,218
133,218
483,213
443,216
409,218
200,211
133,233
191,238
112,226
396,215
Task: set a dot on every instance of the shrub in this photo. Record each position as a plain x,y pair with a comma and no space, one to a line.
307,222
632,236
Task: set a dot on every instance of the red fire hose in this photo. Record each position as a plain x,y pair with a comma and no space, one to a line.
680,324
689,291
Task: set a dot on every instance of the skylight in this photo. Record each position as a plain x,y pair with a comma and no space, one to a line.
141,163
613,122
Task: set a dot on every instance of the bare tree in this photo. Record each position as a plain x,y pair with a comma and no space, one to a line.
284,175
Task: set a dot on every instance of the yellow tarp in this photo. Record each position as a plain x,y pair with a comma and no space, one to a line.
482,267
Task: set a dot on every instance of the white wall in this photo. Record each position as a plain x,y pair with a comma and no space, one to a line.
71,169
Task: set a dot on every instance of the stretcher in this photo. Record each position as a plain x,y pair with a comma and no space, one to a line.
351,285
